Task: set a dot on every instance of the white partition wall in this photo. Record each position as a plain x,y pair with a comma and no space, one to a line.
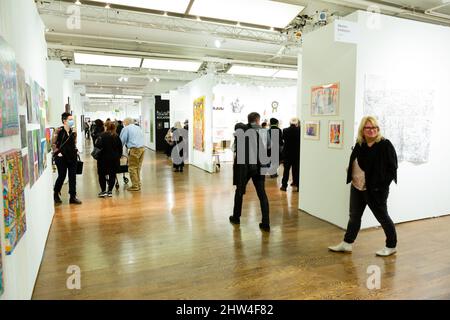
407,61
148,117
22,28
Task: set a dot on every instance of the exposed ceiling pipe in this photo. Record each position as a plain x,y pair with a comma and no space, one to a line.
152,55
363,4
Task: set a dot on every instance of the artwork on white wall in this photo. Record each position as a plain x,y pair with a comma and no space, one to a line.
237,106
312,130
336,134
325,100
405,116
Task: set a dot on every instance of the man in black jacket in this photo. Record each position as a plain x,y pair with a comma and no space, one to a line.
291,154
247,165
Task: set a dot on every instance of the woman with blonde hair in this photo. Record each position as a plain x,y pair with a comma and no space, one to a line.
372,168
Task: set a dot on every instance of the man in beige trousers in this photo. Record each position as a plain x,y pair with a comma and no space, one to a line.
133,138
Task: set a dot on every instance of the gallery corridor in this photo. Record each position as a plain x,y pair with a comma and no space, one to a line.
172,240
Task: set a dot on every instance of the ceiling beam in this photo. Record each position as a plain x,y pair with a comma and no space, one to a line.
189,7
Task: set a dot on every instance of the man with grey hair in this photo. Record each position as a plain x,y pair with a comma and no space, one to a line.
291,154
133,138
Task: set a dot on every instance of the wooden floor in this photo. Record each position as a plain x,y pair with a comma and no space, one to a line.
172,240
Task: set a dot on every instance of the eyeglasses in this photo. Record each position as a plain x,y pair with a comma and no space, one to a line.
370,128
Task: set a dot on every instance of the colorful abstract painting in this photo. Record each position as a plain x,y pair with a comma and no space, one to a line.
29,102
21,90
23,131
31,158
44,154
199,124
48,136
1,270
312,130
38,153
13,198
25,171
9,114
325,100
35,101
335,134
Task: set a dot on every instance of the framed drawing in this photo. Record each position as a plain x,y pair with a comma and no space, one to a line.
336,134
312,130
325,100
199,124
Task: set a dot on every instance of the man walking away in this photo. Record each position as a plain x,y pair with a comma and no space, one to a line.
133,138
243,171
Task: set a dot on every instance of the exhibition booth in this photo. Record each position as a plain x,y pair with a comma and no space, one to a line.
397,70
213,104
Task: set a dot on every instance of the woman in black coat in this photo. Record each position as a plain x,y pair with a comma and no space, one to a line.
98,129
372,168
108,162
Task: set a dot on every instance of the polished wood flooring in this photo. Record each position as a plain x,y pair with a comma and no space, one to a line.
172,240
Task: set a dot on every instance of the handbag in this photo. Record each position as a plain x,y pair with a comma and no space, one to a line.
96,153
79,166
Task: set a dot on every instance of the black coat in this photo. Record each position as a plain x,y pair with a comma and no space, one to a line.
384,165
66,144
111,151
291,137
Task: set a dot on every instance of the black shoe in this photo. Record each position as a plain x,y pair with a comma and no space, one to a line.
56,198
109,194
74,200
283,188
181,169
102,194
264,227
235,220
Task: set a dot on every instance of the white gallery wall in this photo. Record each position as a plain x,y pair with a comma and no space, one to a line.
408,56
22,28
55,94
148,117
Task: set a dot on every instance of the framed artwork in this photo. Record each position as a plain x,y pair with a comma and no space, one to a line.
312,130
9,112
325,100
31,158
29,103
23,131
25,171
48,138
199,124
13,198
336,134
21,94
151,130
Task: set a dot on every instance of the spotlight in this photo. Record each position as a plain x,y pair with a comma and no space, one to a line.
218,43
107,6
78,2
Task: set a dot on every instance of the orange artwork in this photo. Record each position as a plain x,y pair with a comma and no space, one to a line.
199,124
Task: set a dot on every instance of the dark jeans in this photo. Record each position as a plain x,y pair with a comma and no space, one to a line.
288,164
258,182
377,202
102,173
64,167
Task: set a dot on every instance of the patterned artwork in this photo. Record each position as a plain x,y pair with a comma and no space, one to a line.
199,124
35,102
37,151
13,198
312,130
25,171
48,135
29,103
43,155
405,116
9,115
23,131
1,270
33,166
325,100
21,90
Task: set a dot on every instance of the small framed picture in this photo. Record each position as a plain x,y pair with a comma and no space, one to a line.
325,100
336,134
312,130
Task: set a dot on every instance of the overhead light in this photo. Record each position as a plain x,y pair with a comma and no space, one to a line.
127,97
78,2
103,60
289,74
252,71
178,6
107,6
179,65
198,19
165,14
259,12
99,95
124,79
218,43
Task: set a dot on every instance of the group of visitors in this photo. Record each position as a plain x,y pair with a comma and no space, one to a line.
372,167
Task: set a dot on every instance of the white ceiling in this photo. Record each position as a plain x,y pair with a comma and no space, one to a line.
144,34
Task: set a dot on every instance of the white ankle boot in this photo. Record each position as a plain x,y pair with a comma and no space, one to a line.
342,247
385,252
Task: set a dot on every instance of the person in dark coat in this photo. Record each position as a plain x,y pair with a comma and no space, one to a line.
248,169
372,168
108,162
65,154
99,128
291,154
119,127
274,126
